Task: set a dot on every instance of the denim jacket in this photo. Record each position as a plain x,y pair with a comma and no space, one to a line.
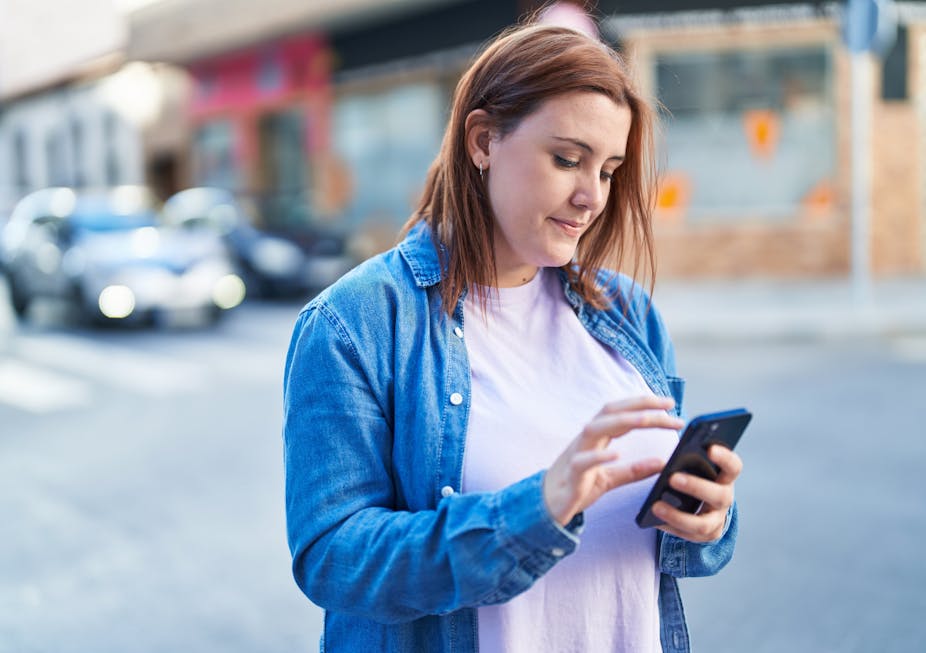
376,399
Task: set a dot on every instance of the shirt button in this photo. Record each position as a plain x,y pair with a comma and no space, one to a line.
456,399
558,552
446,491
458,332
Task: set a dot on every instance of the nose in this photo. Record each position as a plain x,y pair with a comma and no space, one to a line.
590,193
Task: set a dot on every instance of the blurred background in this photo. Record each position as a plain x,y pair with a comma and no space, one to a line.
177,177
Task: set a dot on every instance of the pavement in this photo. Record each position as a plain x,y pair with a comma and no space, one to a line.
792,309
747,309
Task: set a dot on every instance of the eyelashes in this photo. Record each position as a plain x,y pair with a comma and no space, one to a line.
570,164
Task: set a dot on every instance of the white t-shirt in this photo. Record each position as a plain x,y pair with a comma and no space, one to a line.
537,378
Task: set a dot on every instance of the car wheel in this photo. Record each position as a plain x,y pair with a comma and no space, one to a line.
18,298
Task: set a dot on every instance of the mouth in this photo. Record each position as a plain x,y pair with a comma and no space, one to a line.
569,227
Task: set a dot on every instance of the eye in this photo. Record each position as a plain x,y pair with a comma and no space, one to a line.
607,176
563,162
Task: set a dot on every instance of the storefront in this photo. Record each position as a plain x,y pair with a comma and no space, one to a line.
259,117
755,145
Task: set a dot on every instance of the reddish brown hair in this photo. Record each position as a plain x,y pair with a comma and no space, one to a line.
513,76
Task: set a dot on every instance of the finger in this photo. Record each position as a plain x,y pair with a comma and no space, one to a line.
623,474
644,402
731,465
701,527
716,495
604,428
586,460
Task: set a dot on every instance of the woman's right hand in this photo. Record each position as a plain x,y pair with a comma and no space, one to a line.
582,473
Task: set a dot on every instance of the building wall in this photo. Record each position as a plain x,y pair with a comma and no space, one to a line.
84,134
814,239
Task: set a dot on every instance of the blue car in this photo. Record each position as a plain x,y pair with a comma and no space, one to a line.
272,265
109,254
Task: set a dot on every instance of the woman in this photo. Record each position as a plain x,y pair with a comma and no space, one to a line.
470,417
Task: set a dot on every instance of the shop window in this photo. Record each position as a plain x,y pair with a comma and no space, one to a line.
386,141
77,152
214,161
55,160
748,133
111,144
283,168
21,162
894,69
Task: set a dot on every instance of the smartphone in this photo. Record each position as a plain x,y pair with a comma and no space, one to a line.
690,455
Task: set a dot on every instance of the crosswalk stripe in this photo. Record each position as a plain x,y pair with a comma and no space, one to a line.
38,390
910,349
132,370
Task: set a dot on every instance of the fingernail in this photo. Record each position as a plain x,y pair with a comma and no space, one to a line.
680,480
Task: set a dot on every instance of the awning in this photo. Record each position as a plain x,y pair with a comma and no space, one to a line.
180,31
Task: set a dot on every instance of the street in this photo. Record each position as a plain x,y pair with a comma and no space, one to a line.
141,492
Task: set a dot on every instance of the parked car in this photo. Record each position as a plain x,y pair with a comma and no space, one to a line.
108,252
272,265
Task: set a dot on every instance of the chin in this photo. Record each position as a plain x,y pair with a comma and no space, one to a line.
560,257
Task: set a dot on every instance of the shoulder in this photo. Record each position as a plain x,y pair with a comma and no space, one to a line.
625,296
631,304
367,301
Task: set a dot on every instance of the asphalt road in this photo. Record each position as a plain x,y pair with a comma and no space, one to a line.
142,510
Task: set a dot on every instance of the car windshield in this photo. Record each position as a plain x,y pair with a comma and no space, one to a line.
100,214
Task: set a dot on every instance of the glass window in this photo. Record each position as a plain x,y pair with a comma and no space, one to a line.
21,161
283,168
748,133
387,141
111,143
55,160
214,161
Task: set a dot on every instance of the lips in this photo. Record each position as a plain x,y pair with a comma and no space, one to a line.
571,228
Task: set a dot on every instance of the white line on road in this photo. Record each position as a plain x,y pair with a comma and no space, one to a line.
910,349
36,390
131,370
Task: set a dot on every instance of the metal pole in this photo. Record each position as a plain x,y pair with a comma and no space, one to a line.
861,176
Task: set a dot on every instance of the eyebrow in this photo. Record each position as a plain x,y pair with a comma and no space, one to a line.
585,146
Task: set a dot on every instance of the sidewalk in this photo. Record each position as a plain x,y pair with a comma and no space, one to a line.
751,309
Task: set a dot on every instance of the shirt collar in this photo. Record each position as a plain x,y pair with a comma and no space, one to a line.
419,249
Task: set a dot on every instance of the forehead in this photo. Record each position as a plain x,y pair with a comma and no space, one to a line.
585,115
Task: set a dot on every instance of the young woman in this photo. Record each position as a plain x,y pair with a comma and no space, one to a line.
472,418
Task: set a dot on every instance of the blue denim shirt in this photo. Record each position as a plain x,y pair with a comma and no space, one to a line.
376,399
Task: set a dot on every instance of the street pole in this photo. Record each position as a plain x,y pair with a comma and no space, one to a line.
861,176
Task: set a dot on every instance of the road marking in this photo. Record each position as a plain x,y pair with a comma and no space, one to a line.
910,349
135,371
39,391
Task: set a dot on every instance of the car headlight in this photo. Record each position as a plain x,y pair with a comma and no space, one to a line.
276,257
117,302
228,291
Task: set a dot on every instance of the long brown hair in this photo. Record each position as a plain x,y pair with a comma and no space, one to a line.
514,75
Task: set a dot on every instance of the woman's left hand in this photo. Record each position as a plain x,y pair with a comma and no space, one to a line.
717,495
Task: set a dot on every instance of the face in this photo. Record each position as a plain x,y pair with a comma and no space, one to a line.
550,179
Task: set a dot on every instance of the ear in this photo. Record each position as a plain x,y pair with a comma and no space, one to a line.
478,133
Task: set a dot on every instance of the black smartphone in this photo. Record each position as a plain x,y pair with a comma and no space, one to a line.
690,455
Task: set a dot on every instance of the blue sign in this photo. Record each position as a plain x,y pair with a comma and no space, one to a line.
870,25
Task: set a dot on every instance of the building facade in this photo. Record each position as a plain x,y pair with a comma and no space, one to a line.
74,112
757,140
336,112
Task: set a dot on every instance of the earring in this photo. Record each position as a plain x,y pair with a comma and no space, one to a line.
481,175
